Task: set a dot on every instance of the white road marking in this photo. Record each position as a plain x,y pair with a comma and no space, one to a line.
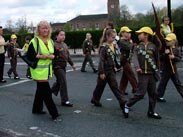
43,132
15,83
23,80
14,133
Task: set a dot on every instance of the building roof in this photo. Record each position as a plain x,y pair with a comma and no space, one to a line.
90,17
57,24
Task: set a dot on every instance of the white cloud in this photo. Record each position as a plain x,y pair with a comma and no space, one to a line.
64,10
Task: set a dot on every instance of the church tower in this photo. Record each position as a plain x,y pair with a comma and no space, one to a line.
113,9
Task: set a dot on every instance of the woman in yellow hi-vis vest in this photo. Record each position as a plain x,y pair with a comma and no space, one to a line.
41,48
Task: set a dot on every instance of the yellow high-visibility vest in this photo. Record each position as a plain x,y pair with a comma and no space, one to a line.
44,66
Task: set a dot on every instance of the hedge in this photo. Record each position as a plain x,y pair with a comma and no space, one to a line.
75,39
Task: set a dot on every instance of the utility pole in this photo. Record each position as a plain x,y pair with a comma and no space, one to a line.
169,9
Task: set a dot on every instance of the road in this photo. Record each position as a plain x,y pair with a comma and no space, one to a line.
85,120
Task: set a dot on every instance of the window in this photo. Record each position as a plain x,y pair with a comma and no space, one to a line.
96,26
84,27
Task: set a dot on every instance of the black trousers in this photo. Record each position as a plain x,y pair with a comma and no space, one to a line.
165,76
146,83
87,58
111,80
43,94
61,84
2,60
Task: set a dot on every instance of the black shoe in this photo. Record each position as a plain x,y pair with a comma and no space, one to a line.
55,117
161,100
3,81
83,71
67,104
126,93
9,75
29,77
153,115
16,77
126,111
39,113
96,103
95,70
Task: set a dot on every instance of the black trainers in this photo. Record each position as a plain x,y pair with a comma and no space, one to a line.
29,77
83,71
67,104
126,111
16,77
96,103
153,115
161,100
95,70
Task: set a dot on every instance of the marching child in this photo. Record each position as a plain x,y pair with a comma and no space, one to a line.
146,64
126,48
62,56
107,70
172,55
12,54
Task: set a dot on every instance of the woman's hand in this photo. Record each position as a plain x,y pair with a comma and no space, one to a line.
45,56
74,67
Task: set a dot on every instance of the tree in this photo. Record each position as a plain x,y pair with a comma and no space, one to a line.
125,15
67,27
21,25
177,15
9,25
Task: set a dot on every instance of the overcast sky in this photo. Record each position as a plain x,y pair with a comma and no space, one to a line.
64,10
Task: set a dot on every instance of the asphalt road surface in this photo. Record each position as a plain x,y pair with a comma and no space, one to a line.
83,119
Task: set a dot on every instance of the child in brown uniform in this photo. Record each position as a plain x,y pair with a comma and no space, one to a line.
126,48
146,63
107,70
12,54
62,56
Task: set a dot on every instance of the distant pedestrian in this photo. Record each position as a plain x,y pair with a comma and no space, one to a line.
12,54
2,55
172,56
62,56
45,54
107,70
87,48
146,62
126,48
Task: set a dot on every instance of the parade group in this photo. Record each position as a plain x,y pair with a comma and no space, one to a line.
154,61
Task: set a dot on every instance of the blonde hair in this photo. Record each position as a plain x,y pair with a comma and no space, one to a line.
41,23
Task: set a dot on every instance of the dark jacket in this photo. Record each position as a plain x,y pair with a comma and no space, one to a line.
62,56
11,50
140,61
88,46
106,61
125,49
